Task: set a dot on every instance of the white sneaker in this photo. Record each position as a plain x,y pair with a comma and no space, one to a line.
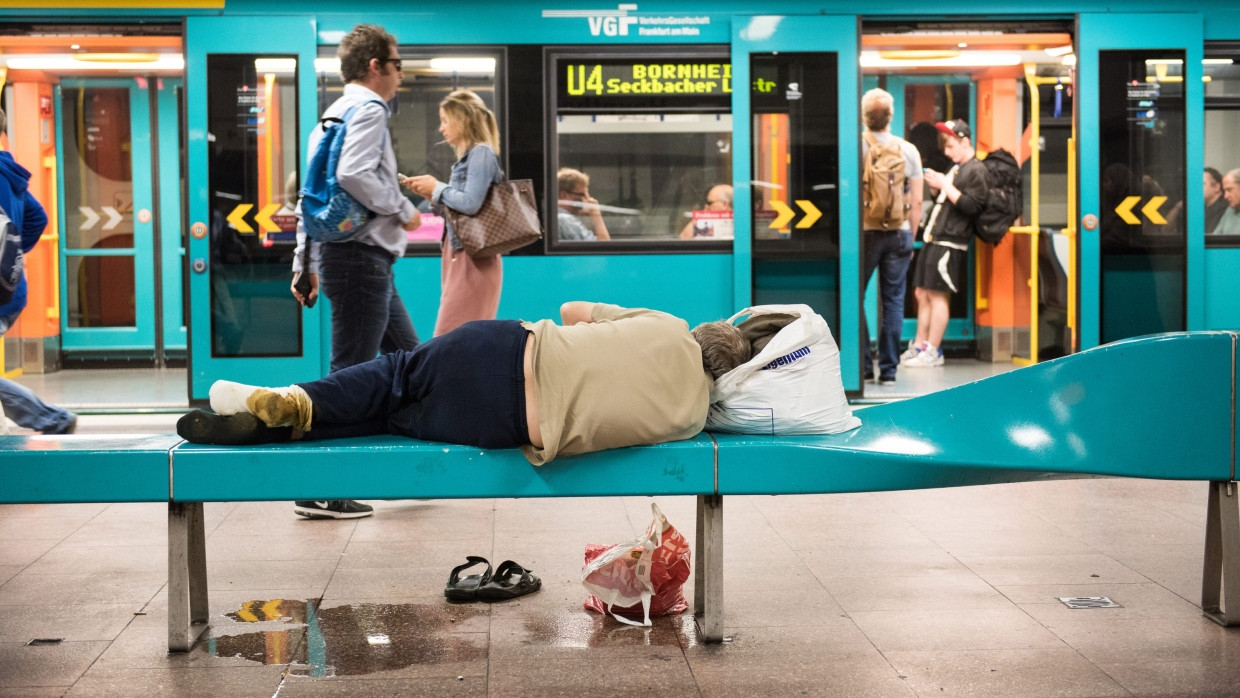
913,350
925,359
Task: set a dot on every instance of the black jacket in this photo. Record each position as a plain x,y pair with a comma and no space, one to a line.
955,222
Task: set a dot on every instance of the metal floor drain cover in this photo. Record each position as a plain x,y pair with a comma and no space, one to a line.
1088,602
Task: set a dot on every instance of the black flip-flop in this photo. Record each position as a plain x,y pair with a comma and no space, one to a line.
466,588
510,581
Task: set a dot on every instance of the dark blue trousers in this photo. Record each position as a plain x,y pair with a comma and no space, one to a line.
368,316
464,387
889,251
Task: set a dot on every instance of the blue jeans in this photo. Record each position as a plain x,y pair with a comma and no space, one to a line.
26,409
889,251
368,317
463,387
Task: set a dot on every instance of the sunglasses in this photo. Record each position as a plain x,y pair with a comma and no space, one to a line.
393,61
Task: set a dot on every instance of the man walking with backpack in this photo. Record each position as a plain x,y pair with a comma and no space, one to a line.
368,316
891,182
23,221
961,197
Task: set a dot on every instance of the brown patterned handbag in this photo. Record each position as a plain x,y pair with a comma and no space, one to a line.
507,220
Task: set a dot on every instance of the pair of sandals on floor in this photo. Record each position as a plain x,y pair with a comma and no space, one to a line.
509,581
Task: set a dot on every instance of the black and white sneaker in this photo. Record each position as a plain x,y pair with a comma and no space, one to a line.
332,509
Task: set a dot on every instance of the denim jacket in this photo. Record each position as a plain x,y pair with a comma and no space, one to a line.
472,176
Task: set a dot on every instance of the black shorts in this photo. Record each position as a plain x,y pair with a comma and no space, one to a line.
940,268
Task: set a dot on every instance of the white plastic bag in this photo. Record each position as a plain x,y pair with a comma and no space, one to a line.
792,386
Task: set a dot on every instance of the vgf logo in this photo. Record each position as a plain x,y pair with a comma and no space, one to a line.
602,22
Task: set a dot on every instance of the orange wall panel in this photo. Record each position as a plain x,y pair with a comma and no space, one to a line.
34,127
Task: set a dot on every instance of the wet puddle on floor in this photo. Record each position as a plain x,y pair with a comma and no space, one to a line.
350,640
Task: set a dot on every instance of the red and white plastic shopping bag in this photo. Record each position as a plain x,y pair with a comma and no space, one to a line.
639,578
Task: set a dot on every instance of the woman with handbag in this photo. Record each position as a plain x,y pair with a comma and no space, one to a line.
470,286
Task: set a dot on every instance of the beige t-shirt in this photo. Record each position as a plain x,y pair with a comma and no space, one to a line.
632,376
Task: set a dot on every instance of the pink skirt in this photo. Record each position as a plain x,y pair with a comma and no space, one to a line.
469,288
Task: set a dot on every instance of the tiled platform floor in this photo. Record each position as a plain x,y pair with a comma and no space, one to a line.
932,593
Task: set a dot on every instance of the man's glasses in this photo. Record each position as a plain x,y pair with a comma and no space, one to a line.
578,195
393,61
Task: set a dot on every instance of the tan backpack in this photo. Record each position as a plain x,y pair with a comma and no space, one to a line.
884,188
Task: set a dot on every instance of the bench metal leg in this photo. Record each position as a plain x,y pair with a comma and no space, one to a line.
187,575
1220,581
708,582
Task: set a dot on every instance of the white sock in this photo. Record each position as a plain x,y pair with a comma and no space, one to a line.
228,397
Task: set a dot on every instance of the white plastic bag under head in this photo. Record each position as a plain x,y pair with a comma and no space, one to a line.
792,386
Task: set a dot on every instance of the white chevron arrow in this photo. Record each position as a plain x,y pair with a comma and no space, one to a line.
91,217
113,217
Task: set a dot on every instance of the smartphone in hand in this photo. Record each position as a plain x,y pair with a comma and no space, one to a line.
303,287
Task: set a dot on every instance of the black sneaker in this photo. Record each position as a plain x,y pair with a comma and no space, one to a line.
887,380
332,509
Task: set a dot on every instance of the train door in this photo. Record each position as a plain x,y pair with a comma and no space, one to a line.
108,227
1139,76
251,85
917,102
795,128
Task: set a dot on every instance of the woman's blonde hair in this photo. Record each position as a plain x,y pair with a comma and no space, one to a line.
477,123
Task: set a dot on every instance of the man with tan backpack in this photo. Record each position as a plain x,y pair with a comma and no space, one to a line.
891,186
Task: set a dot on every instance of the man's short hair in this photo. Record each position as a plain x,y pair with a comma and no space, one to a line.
1233,175
1214,174
365,42
876,109
723,346
570,178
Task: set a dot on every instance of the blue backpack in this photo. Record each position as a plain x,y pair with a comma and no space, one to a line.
328,212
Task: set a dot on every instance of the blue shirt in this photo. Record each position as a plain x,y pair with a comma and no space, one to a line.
367,170
570,227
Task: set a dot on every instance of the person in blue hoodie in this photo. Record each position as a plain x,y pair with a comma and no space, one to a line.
19,403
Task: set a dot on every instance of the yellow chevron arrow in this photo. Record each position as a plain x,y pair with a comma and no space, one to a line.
785,214
246,613
812,214
263,219
271,609
1125,210
1151,209
237,220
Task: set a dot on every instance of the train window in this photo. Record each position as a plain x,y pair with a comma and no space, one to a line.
1221,69
430,74
641,151
1141,107
253,163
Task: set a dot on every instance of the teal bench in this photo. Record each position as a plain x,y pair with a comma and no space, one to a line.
1158,407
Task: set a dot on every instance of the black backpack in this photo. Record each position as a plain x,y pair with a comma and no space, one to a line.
1004,201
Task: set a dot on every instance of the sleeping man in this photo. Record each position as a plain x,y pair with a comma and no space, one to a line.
605,377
